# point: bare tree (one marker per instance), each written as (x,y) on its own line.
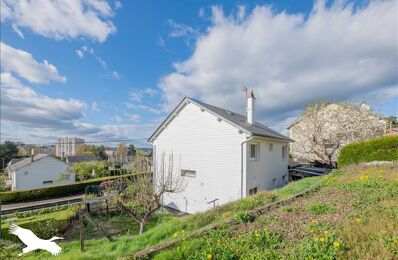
(324,128)
(143,195)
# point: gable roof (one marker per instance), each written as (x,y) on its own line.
(27,161)
(237,120)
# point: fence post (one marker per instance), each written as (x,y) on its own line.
(81,226)
(0,219)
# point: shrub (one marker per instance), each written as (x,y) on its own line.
(56,190)
(243,217)
(378,149)
(320,208)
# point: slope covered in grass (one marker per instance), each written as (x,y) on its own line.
(353,215)
(166,228)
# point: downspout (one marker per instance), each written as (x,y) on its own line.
(241,165)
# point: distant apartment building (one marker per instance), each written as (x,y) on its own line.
(67,146)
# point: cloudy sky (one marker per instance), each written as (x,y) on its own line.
(110,70)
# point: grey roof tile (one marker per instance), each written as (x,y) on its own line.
(240,120)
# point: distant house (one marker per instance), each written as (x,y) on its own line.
(223,156)
(38,171)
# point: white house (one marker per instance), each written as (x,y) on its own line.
(223,156)
(39,171)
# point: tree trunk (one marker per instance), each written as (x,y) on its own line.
(142,225)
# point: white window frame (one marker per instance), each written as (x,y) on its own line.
(188,173)
(284,152)
(256,151)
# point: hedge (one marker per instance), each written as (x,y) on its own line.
(379,149)
(56,190)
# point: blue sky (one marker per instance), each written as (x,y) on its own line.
(107,70)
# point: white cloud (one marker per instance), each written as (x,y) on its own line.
(135,95)
(336,53)
(117,118)
(181,30)
(151,92)
(80,54)
(23,64)
(142,107)
(21,104)
(18,31)
(62,19)
(201,12)
(116,75)
(94,107)
(118,5)
(133,117)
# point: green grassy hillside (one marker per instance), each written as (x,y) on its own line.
(167,228)
(354,215)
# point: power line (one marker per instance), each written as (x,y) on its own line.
(96,142)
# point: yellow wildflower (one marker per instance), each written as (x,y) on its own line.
(312,231)
(175,234)
(336,244)
(257,234)
(325,232)
(358,220)
(314,221)
(322,239)
(209,256)
(316,238)
(364,177)
(265,229)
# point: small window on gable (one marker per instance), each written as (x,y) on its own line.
(284,152)
(252,191)
(271,147)
(188,173)
(254,151)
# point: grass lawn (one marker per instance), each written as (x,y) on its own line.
(353,215)
(164,228)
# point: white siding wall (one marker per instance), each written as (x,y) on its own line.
(211,148)
(45,169)
(269,166)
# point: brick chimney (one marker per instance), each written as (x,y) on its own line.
(250,111)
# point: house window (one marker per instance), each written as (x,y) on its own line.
(284,177)
(254,151)
(284,152)
(47,182)
(188,173)
(25,173)
(273,181)
(271,147)
(252,191)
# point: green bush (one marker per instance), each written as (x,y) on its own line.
(379,149)
(243,217)
(90,170)
(320,208)
(56,190)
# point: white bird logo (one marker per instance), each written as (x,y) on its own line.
(32,242)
